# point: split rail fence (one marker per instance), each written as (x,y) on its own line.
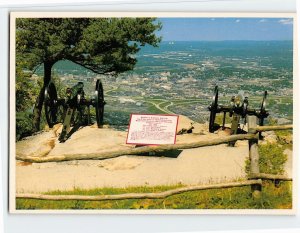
(254,180)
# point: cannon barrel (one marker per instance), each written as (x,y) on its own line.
(238,108)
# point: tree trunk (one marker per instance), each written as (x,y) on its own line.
(38,106)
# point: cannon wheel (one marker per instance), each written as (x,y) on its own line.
(263,109)
(213,110)
(99,103)
(50,104)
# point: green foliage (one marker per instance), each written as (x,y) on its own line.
(109,191)
(285,138)
(60,87)
(271,158)
(230,198)
(113,43)
(26,89)
(247,166)
(271,155)
(219,119)
(23,125)
(272,121)
(283,133)
(101,45)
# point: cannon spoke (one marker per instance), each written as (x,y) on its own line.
(213,110)
(99,103)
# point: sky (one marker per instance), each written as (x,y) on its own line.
(218,29)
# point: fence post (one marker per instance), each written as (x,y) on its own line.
(254,156)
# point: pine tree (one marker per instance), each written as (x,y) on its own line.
(102,45)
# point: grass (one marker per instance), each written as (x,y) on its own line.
(271,155)
(219,119)
(230,198)
(285,138)
(272,159)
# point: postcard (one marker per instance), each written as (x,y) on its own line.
(152,113)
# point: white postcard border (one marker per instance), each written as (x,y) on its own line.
(39,14)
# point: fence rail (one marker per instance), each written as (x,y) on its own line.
(265,176)
(139,195)
(136,151)
(272,127)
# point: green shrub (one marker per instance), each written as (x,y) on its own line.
(272,158)
(23,125)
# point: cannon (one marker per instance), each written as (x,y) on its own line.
(74,110)
(238,108)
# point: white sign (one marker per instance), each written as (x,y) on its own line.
(152,129)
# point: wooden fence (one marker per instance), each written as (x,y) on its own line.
(254,180)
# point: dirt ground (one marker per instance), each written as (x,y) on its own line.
(195,166)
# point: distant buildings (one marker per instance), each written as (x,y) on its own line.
(190,79)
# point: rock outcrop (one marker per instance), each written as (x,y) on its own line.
(91,139)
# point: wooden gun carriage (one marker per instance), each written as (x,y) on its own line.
(238,108)
(74,110)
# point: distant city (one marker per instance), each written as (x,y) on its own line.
(179,78)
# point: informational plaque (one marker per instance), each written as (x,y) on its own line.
(152,129)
